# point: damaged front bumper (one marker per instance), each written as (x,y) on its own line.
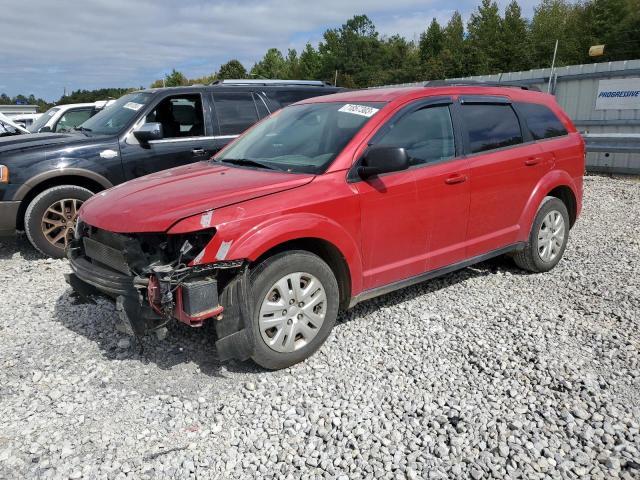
(150,289)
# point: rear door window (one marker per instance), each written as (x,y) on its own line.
(235,111)
(490,126)
(541,121)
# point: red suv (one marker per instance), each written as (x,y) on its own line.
(331,201)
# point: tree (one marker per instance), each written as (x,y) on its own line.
(353,50)
(431,42)
(401,61)
(309,63)
(485,42)
(515,42)
(175,79)
(233,69)
(614,23)
(557,20)
(454,48)
(271,66)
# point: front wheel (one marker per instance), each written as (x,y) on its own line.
(50,218)
(548,237)
(295,305)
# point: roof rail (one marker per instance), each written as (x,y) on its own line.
(266,82)
(475,83)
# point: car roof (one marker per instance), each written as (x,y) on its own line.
(259,86)
(390,94)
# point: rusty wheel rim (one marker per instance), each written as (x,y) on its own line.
(59,221)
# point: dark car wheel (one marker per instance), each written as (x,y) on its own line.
(548,237)
(50,218)
(295,304)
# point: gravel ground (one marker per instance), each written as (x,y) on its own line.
(485,373)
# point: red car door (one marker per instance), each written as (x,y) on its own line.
(391,238)
(504,170)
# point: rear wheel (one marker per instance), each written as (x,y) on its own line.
(50,218)
(295,303)
(548,237)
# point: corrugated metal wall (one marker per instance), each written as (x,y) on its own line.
(575,88)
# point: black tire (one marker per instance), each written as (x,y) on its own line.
(33,217)
(529,258)
(263,277)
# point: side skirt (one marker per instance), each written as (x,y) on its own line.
(407,282)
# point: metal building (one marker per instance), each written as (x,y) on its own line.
(597,105)
(11,110)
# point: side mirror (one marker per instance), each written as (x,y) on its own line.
(44,129)
(149,131)
(383,159)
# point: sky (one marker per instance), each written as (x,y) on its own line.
(47,46)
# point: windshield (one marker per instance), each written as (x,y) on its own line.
(117,115)
(42,120)
(7,129)
(301,138)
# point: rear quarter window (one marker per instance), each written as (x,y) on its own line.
(541,121)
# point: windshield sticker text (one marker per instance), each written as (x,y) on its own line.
(363,110)
(133,106)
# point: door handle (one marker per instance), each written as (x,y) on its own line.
(529,162)
(457,178)
(198,151)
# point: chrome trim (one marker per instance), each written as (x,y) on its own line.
(191,139)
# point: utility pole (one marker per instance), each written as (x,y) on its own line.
(553,64)
(335,79)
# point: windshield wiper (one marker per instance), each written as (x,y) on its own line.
(80,128)
(247,162)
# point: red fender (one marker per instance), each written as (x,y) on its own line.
(233,240)
(553,179)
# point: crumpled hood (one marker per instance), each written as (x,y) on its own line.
(155,202)
(38,140)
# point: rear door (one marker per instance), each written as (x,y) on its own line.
(505,165)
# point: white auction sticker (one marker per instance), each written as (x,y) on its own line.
(133,106)
(363,110)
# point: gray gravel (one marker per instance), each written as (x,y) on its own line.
(486,373)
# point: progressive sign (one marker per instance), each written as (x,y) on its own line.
(618,94)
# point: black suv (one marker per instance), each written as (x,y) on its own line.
(44,178)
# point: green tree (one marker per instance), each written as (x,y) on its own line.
(431,41)
(515,53)
(353,50)
(614,23)
(485,42)
(272,65)
(454,48)
(233,69)
(557,20)
(309,63)
(401,61)
(175,79)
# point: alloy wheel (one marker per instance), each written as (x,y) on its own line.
(59,221)
(292,312)
(551,236)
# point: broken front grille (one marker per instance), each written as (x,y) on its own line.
(105,255)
